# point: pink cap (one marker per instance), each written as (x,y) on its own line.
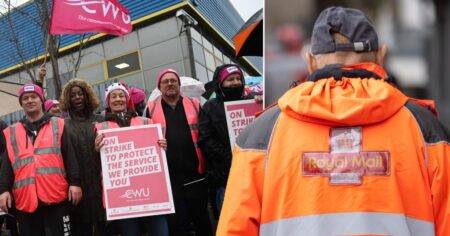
(137,95)
(31,88)
(163,72)
(227,71)
(50,103)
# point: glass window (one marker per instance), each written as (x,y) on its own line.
(210,75)
(207,45)
(217,53)
(201,73)
(210,63)
(226,60)
(93,74)
(198,52)
(196,35)
(123,65)
(218,62)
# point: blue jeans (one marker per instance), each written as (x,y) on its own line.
(156,225)
(220,192)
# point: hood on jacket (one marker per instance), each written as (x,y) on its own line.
(215,84)
(344,96)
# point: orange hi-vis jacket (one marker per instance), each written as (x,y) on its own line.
(346,154)
(191,109)
(39,173)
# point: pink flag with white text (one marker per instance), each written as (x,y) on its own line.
(89,16)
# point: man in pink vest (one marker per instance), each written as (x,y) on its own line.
(39,168)
(178,116)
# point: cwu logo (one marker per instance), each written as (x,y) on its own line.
(136,193)
(107,7)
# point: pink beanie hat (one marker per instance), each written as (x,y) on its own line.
(137,95)
(31,88)
(50,103)
(163,72)
(227,71)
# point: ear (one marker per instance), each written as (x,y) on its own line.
(311,61)
(381,54)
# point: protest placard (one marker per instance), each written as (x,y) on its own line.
(135,174)
(239,114)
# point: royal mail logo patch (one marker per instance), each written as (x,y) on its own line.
(346,163)
(345,140)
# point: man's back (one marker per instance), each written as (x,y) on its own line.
(343,156)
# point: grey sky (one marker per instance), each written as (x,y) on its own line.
(247,8)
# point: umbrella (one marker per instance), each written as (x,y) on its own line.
(189,87)
(249,39)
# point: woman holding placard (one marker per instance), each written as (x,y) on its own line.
(120,113)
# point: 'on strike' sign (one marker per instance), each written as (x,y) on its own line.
(239,114)
(135,175)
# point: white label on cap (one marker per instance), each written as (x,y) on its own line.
(28,88)
(232,69)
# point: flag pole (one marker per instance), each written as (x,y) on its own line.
(48,32)
(46,48)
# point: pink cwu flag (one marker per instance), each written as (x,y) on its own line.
(89,16)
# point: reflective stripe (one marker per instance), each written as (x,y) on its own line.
(20,162)
(357,223)
(54,122)
(151,111)
(105,125)
(196,145)
(194,105)
(24,182)
(49,150)
(50,170)
(14,140)
(193,126)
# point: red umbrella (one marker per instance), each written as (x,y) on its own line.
(248,41)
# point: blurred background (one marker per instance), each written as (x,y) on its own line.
(417,33)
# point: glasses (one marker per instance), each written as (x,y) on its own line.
(171,81)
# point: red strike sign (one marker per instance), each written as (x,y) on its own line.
(135,175)
(239,115)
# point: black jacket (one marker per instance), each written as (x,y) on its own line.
(214,140)
(90,208)
(3,126)
(67,150)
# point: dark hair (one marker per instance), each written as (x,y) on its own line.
(92,102)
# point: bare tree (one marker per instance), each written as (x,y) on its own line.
(73,61)
(51,43)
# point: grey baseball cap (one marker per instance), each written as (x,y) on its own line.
(349,22)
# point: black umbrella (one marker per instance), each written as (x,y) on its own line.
(248,41)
